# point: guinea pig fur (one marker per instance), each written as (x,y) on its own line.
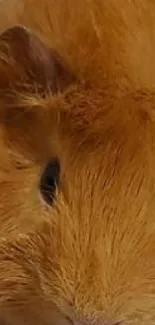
(77,84)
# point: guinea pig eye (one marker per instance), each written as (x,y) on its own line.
(50,181)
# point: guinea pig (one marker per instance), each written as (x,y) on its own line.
(77,162)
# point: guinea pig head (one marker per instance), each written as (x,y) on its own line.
(77,194)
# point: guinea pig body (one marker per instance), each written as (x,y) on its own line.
(77,95)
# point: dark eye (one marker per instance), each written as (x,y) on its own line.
(50,181)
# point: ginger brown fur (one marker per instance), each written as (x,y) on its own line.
(78,85)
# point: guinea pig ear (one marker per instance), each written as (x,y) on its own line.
(35,63)
(28,70)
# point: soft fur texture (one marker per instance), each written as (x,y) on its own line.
(86,95)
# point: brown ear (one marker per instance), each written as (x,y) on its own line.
(28,70)
(31,61)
